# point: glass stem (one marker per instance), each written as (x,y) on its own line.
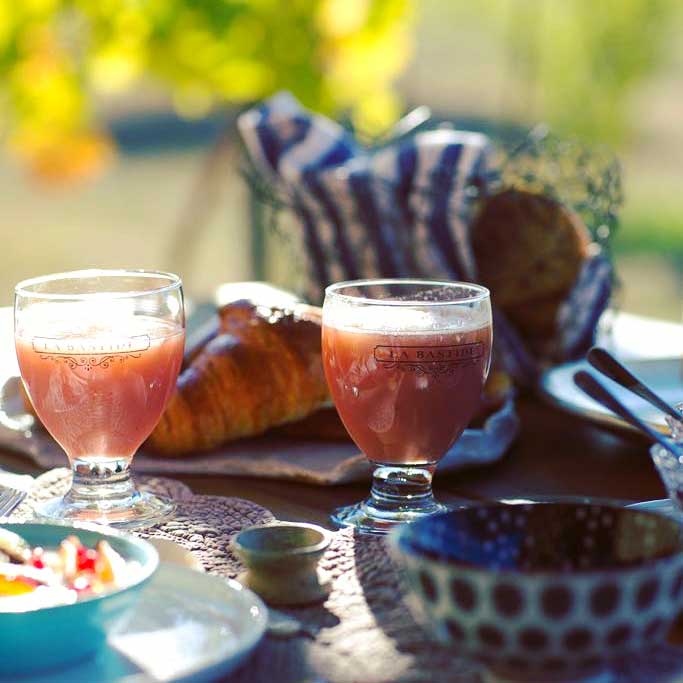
(402,488)
(104,483)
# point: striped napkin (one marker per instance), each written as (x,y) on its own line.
(402,209)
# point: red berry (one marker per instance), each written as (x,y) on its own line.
(36,558)
(85,560)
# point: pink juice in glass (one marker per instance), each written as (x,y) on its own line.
(405,397)
(100,393)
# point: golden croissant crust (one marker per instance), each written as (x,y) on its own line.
(262,368)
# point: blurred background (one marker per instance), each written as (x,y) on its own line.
(118,143)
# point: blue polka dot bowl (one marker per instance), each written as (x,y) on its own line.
(547,591)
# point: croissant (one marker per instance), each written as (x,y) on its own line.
(261,368)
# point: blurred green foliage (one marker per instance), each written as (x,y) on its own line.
(576,62)
(337,56)
(581,59)
(652,224)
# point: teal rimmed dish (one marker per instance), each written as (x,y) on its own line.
(52,637)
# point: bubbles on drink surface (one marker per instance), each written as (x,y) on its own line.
(92,321)
(406,320)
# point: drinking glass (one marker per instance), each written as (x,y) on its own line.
(99,353)
(406,362)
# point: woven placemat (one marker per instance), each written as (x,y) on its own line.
(363,631)
(203,525)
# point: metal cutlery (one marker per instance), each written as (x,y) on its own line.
(10,499)
(608,365)
(597,391)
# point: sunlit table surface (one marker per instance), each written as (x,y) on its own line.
(594,462)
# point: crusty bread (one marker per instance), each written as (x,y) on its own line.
(255,369)
(262,369)
(536,318)
(529,250)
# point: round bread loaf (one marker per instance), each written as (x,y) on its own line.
(529,250)
(536,318)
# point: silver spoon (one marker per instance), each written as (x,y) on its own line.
(590,386)
(608,365)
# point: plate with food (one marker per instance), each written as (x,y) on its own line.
(84,603)
(252,400)
(62,588)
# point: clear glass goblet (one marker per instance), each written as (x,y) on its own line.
(406,362)
(99,353)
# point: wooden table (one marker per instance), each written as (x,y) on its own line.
(556,454)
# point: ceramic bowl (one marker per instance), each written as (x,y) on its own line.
(282,562)
(555,590)
(51,637)
(671,473)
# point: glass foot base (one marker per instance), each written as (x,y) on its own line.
(367,520)
(140,510)
(400,494)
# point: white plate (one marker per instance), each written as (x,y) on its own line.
(664,376)
(188,627)
(173,553)
(663,506)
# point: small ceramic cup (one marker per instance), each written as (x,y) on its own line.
(671,472)
(282,562)
(668,465)
(676,426)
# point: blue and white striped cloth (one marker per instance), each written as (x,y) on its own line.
(401,210)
